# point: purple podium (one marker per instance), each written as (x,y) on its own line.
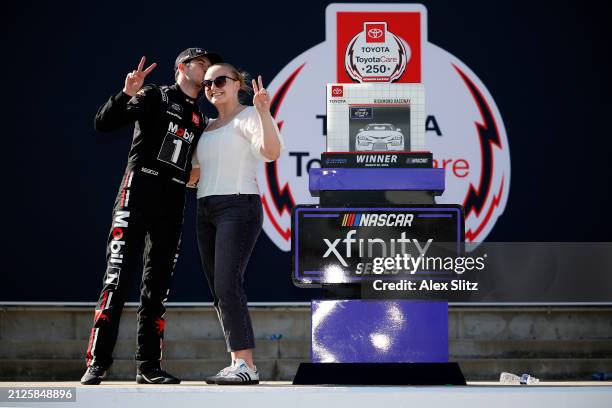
(407,179)
(368,342)
(357,186)
(367,331)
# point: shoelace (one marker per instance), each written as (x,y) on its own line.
(225,371)
(95,370)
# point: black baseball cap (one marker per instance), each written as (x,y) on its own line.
(191,53)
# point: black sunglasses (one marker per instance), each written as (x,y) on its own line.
(219,81)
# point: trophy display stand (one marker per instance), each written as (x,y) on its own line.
(376,188)
(377,342)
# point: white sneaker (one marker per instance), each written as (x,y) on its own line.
(238,373)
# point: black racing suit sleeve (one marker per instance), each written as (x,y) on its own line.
(121,109)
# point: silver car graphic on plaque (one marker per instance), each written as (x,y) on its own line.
(379,137)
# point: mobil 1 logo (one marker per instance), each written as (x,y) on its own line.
(176,147)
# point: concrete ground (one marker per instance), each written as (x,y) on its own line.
(131,384)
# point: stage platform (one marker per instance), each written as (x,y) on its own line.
(284,395)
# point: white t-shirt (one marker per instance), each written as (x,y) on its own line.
(228,156)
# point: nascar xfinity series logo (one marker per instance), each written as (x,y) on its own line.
(463,128)
(377,220)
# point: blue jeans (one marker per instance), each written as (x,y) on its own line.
(227,228)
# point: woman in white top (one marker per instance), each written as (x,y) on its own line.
(230,214)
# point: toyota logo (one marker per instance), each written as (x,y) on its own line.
(375,33)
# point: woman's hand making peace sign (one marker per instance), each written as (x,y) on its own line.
(135,79)
(261,98)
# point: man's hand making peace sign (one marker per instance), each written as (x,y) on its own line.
(135,79)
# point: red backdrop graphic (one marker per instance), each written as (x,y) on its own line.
(405,25)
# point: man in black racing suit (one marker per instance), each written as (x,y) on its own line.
(148,210)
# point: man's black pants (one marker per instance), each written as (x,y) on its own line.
(148,214)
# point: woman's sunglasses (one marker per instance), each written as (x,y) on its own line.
(219,81)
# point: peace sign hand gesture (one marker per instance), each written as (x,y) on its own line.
(261,98)
(135,79)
